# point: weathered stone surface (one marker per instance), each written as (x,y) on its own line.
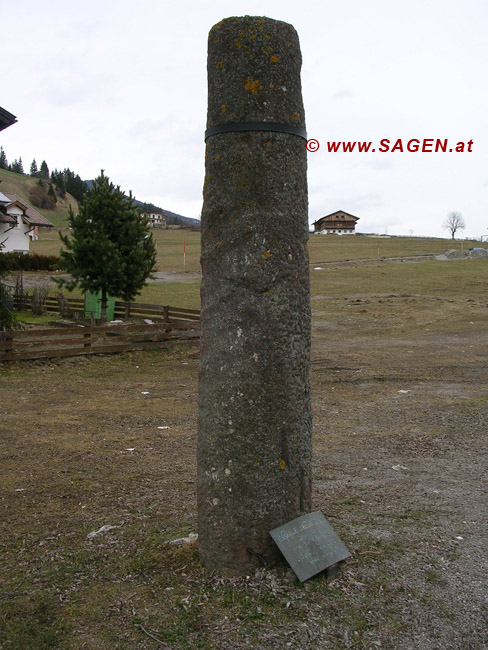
(255,429)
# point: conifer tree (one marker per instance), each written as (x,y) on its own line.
(33,168)
(3,159)
(58,179)
(52,193)
(111,248)
(74,185)
(44,171)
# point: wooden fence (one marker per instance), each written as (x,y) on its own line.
(122,309)
(167,323)
(78,340)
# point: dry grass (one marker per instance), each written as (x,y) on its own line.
(323,249)
(400,407)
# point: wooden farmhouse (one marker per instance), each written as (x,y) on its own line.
(19,223)
(156,218)
(337,223)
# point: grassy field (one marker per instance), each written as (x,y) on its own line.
(350,262)
(400,406)
(183,288)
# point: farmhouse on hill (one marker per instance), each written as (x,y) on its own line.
(337,223)
(19,223)
(156,218)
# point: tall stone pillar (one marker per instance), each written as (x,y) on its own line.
(255,425)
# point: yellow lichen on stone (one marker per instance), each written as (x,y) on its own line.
(266,255)
(271,85)
(295,116)
(222,108)
(220,244)
(274,58)
(268,143)
(253,85)
(282,464)
(219,64)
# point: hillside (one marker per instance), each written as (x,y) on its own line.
(22,185)
(174,218)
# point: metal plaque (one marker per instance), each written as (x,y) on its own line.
(309,545)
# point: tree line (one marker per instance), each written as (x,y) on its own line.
(51,184)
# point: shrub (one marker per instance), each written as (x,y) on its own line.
(65,310)
(7,318)
(29,262)
(20,296)
(41,199)
(39,295)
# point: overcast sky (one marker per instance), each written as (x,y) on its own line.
(121,85)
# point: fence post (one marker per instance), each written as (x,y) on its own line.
(87,340)
(8,338)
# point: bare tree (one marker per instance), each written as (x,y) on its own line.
(453,222)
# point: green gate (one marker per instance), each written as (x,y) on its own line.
(93,305)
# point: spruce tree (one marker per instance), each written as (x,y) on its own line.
(33,168)
(52,193)
(74,185)
(3,159)
(44,171)
(58,179)
(111,248)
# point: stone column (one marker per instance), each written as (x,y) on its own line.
(255,425)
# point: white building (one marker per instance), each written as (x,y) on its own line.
(156,219)
(19,223)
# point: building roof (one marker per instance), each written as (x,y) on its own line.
(6,119)
(339,215)
(6,218)
(31,215)
(162,212)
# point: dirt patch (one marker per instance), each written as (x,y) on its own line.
(400,427)
(173,276)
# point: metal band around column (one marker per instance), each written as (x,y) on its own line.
(231,127)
